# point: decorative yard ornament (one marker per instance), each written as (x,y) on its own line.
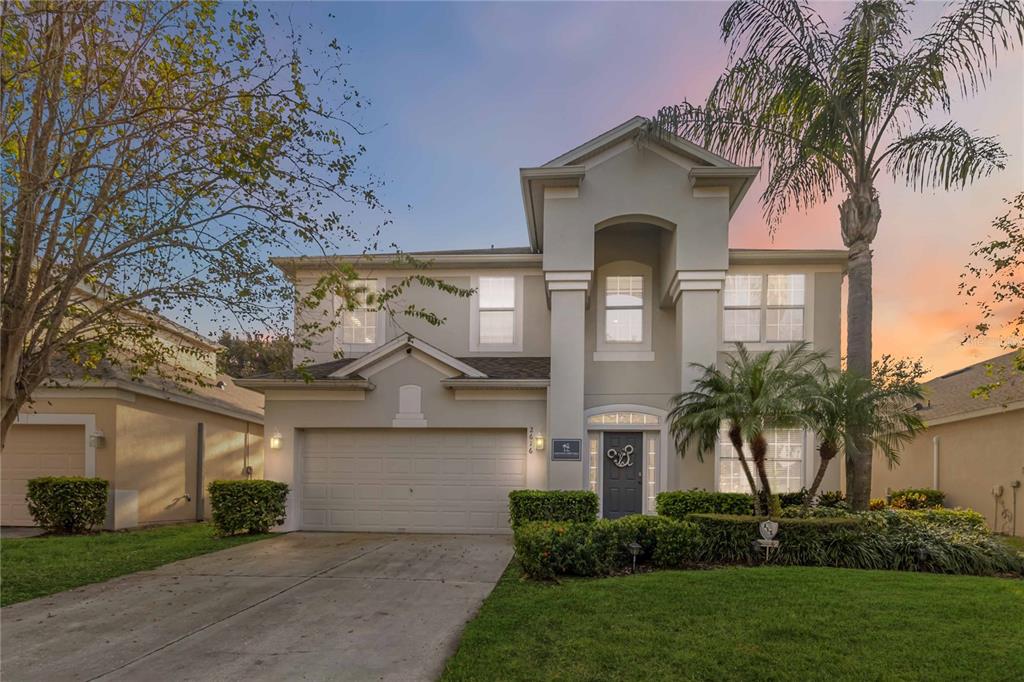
(768,529)
(623,458)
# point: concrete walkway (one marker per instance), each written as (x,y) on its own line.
(303,606)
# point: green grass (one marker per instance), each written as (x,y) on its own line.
(1014,541)
(35,567)
(746,624)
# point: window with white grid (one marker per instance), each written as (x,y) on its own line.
(784,463)
(741,320)
(761,307)
(785,315)
(497,321)
(359,318)
(624,309)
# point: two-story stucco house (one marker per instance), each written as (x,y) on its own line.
(558,372)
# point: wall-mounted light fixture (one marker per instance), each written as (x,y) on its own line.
(275,440)
(97,439)
(538,440)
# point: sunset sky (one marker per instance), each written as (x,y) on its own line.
(463,95)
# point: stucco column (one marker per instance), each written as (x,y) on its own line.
(697,296)
(568,292)
(279,464)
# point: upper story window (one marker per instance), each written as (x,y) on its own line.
(624,309)
(359,318)
(497,315)
(764,308)
(497,310)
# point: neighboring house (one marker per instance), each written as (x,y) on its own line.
(157,443)
(558,372)
(973,449)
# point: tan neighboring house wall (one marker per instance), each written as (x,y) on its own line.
(141,435)
(973,448)
(969,459)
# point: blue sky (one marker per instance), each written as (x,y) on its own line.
(464,94)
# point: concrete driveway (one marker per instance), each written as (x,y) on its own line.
(305,606)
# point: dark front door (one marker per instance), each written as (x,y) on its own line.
(623,463)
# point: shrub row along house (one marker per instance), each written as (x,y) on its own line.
(558,371)
(157,442)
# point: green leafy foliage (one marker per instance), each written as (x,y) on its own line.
(752,393)
(730,539)
(679,504)
(253,354)
(994,279)
(551,505)
(247,506)
(548,549)
(917,498)
(68,504)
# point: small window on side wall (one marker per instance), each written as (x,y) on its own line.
(496,321)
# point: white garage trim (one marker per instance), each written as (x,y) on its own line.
(86,420)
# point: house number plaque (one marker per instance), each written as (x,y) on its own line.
(566,449)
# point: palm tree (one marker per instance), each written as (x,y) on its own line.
(840,406)
(754,393)
(826,112)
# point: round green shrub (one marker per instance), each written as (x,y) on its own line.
(247,506)
(67,504)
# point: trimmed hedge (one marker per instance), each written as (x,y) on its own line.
(917,498)
(67,504)
(548,549)
(932,540)
(525,506)
(679,504)
(247,506)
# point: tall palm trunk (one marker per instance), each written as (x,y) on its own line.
(736,438)
(826,452)
(859,215)
(759,451)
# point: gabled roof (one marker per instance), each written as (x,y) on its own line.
(950,395)
(628,131)
(400,344)
(569,169)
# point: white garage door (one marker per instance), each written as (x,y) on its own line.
(411,480)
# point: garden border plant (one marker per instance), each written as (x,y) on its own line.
(251,506)
(67,504)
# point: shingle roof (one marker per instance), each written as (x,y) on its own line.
(221,392)
(493,367)
(950,394)
(511,368)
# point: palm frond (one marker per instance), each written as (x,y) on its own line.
(961,44)
(944,157)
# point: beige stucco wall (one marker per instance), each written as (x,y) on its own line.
(148,451)
(156,456)
(290,412)
(975,455)
(630,181)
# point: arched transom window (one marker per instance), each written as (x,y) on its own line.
(623,419)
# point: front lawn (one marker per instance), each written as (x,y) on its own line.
(779,623)
(35,567)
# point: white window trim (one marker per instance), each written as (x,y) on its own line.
(763,344)
(356,349)
(806,469)
(474,318)
(611,351)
